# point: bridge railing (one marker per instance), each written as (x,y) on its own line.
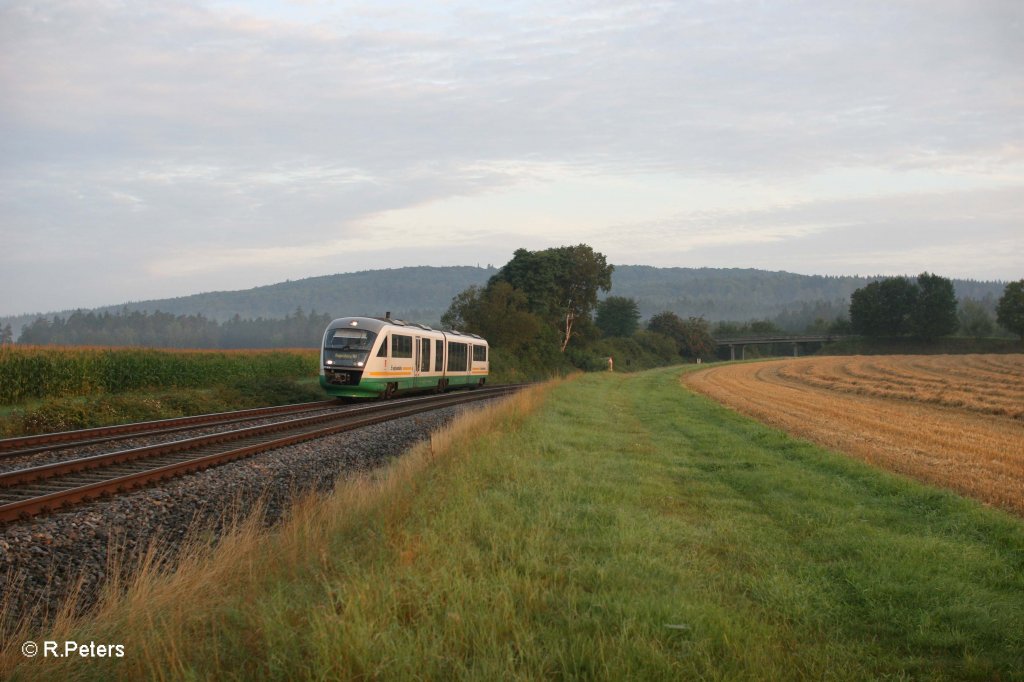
(796,339)
(792,338)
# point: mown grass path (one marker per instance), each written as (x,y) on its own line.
(624,528)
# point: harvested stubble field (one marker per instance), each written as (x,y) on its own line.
(954,421)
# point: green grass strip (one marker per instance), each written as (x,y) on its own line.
(628,529)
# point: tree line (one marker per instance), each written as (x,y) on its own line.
(541,310)
(541,313)
(164,330)
(927,309)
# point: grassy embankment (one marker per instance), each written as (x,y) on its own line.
(613,527)
(55,388)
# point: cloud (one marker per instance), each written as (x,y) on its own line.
(277,127)
(970,234)
(714,87)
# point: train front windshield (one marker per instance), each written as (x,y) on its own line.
(347,347)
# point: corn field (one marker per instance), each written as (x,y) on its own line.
(31,372)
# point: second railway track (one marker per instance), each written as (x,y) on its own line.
(45,442)
(33,490)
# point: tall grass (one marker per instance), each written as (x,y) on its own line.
(248,562)
(30,372)
(608,527)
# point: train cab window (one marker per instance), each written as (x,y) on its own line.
(479,353)
(438,356)
(350,339)
(347,347)
(401,346)
(383,352)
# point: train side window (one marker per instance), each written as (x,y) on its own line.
(438,355)
(458,356)
(479,353)
(383,352)
(425,355)
(401,346)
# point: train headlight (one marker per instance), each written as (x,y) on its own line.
(359,364)
(330,362)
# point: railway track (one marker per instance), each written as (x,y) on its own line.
(47,487)
(28,445)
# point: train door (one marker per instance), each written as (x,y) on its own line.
(416,350)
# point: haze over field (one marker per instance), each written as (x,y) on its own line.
(155,149)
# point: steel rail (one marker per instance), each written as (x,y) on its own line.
(306,428)
(28,445)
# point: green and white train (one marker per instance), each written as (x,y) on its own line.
(369,357)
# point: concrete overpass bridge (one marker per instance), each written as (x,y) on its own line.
(797,340)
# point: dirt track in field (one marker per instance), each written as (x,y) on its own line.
(954,421)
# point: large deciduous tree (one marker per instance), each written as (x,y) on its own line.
(666,323)
(898,307)
(975,319)
(693,336)
(498,312)
(1010,308)
(618,316)
(934,311)
(561,284)
(883,308)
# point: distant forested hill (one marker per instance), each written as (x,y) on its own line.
(424,293)
(416,293)
(744,294)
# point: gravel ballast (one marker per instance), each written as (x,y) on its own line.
(44,559)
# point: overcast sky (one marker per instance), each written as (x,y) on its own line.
(159,148)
